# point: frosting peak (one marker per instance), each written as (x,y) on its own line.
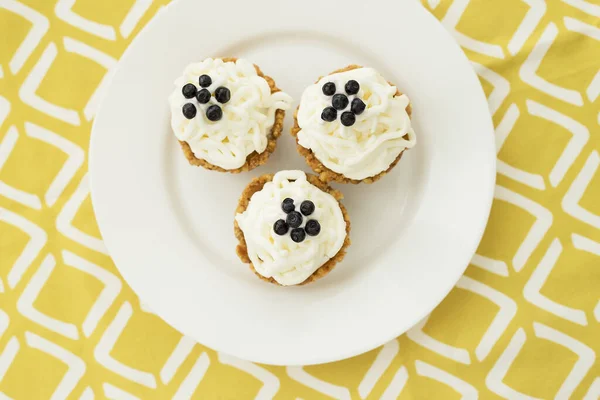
(233,115)
(369,133)
(279,255)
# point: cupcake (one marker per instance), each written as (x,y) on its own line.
(226,114)
(291,228)
(353,126)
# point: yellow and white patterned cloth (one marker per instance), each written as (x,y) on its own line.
(523,323)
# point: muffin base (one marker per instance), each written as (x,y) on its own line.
(254,159)
(325,174)
(242,249)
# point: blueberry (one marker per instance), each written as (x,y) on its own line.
(339,101)
(329,89)
(203,96)
(298,235)
(348,118)
(307,207)
(294,219)
(189,90)
(280,227)
(222,94)
(329,114)
(358,106)
(189,110)
(352,87)
(313,227)
(214,113)
(287,205)
(205,81)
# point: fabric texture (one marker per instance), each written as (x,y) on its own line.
(523,322)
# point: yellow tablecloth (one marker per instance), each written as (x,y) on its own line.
(523,322)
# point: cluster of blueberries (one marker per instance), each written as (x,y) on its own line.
(340,101)
(213,112)
(294,220)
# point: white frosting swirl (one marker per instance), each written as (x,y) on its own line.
(247,117)
(279,257)
(375,140)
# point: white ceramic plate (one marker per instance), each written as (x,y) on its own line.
(169,226)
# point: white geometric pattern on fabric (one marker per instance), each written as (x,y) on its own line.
(382,362)
(40,25)
(586,358)
(270,382)
(532,289)
(64,220)
(467,391)
(106,344)
(450,21)
(82,49)
(538,229)
(47,228)
(29,295)
(64,11)
(529,69)
(6,358)
(37,241)
(75,364)
(301,376)
(191,382)
(571,200)
(507,311)
(396,385)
